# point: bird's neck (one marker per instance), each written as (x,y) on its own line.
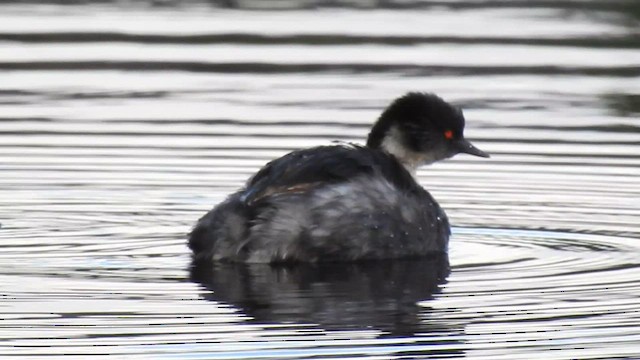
(393,144)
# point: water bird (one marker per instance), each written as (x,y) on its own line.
(343,202)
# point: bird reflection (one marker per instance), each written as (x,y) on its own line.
(382,295)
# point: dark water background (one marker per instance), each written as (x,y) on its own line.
(122,122)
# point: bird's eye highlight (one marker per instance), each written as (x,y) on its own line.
(448,134)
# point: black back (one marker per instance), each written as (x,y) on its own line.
(327,165)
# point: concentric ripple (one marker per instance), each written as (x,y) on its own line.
(575,293)
(510,294)
(121,124)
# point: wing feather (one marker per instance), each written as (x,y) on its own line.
(304,169)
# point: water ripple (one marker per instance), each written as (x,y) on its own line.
(121,124)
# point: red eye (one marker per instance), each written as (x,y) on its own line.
(448,134)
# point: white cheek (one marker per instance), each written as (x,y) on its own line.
(392,143)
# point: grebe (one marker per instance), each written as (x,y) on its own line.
(343,202)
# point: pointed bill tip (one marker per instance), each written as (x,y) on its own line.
(464,146)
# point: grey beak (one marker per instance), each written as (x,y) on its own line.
(464,146)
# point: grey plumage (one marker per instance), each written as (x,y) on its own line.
(343,202)
(364,218)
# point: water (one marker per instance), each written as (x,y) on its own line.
(121,123)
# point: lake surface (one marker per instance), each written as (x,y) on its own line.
(121,123)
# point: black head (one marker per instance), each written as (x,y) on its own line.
(421,128)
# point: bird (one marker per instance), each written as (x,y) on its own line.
(343,202)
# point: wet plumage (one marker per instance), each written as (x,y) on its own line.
(343,202)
